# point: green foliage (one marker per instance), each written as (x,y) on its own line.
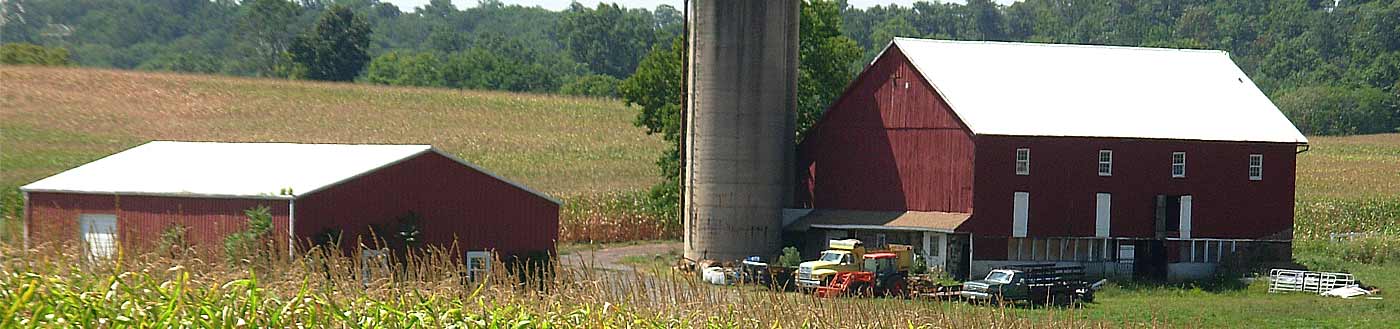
(824,57)
(172,241)
(30,54)
(406,69)
(1318,218)
(593,85)
(1375,249)
(790,257)
(265,29)
(1327,110)
(610,39)
(336,49)
(178,62)
(248,243)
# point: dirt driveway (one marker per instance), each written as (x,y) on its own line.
(611,258)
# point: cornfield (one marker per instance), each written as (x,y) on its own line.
(59,288)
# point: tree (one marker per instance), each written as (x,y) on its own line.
(336,49)
(609,40)
(265,34)
(593,85)
(825,57)
(655,88)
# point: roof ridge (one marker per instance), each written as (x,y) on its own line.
(1060,45)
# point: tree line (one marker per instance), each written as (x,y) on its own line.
(1333,67)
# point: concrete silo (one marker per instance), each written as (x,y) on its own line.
(742,103)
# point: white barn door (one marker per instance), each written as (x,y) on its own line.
(1020,214)
(99,233)
(1185,223)
(1101,215)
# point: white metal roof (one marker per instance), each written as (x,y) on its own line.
(1029,89)
(260,170)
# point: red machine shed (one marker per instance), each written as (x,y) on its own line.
(313,191)
(1156,162)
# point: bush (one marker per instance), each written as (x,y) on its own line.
(242,245)
(406,69)
(790,257)
(593,85)
(30,54)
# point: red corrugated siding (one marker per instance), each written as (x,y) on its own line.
(885,146)
(1064,179)
(453,201)
(53,218)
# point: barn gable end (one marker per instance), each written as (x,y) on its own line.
(889,143)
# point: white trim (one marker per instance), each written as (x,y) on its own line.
(1182,164)
(1184,224)
(172,195)
(1020,213)
(1256,171)
(1026,161)
(1103,212)
(24,226)
(1108,163)
(291,228)
(878,228)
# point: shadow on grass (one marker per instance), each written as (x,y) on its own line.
(1219,284)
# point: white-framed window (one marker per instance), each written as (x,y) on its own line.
(478,264)
(1256,166)
(1178,164)
(1105,163)
(1023,161)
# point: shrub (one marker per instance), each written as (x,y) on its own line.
(790,257)
(242,245)
(30,54)
(593,85)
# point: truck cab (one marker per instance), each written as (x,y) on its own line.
(840,256)
(998,285)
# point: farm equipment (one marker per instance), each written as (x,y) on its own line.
(846,256)
(755,271)
(1034,283)
(883,274)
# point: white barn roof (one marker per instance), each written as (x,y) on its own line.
(260,170)
(1028,89)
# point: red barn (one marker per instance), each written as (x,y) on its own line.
(1151,162)
(314,191)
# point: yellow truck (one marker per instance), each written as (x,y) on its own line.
(848,255)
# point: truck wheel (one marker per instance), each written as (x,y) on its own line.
(1087,297)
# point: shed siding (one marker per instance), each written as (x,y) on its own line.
(53,218)
(454,203)
(1064,179)
(885,146)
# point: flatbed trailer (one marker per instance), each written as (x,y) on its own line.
(1034,283)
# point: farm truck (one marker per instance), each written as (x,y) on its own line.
(850,256)
(1034,283)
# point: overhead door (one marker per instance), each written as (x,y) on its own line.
(99,234)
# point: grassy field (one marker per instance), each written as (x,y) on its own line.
(53,119)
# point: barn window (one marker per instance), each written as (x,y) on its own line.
(1023,161)
(1105,163)
(1256,166)
(1178,164)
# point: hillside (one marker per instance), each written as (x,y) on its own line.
(52,119)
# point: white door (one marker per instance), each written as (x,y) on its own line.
(935,249)
(1185,226)
(1020,213)
(1101,216)
(99,233)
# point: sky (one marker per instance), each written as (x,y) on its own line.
(408,5)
